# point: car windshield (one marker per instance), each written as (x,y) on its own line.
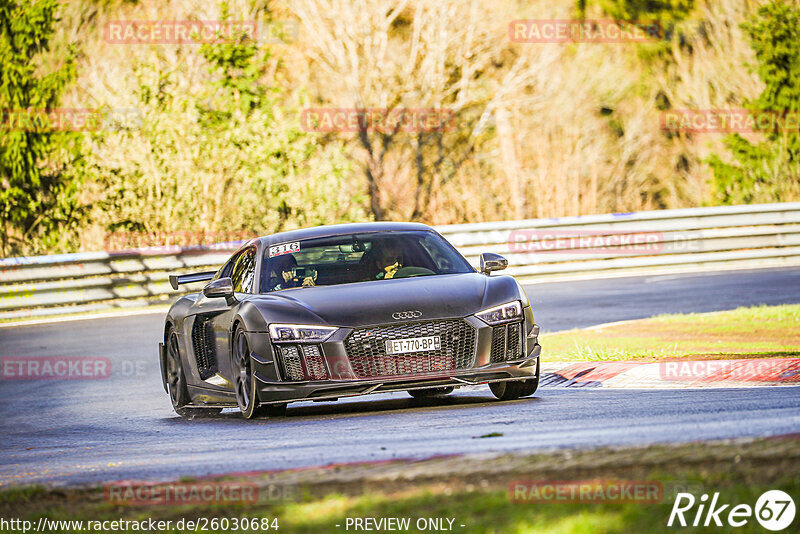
(362,257)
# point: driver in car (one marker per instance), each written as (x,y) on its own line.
(282,274)
(389,260)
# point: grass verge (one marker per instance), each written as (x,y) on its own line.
(755,332)
(473,492)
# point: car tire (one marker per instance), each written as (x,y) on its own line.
(245,379)
(430,392)
(176,382)
(514,390)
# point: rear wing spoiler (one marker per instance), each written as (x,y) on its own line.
(178,279)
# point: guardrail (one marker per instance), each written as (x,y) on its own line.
(593,245)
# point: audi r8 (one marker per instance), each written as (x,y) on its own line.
(337,311)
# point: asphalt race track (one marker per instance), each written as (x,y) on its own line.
(122,427)
(565,305)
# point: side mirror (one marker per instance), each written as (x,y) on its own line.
(492,262)
(222,287)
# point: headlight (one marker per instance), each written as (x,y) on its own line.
(300,332)
(501,314)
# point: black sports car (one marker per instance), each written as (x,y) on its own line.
(345,310)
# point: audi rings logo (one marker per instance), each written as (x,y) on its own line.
(413,314)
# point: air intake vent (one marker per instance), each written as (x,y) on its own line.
(506,342)
(303,362)
(205,352)
(291,363)
(315,363)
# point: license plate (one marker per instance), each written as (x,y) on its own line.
(413,344)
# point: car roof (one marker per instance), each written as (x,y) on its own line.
(340,229)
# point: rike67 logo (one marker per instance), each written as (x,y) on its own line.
(774,510)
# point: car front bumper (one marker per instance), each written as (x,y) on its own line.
(278,391)
(341,381)
(273,389)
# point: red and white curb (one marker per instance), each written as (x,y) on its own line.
(673,373)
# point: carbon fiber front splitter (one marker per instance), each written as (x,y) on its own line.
(273,392)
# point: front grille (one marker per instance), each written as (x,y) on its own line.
(506,342)
(205,351)
(366,349)
(303,362)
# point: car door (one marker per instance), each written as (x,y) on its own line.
(207,332)
(243,276)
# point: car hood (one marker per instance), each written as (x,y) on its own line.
(368,303)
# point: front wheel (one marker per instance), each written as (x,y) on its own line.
(246,391)
(176,382)
(514,390)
